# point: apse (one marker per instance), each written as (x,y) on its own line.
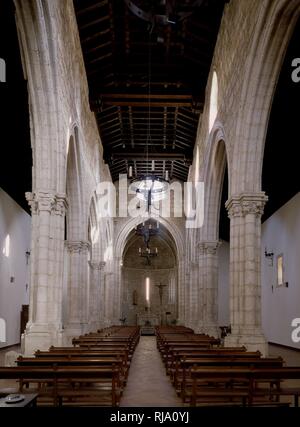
(149,276)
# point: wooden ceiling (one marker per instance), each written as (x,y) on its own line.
(147,82)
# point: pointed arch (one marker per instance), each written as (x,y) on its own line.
(214,171)
(270,42)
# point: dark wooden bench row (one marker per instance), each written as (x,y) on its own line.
(182,371)
(243,386)
(97,386)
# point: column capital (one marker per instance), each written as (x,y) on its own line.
(61,205)
(97,265)
(246,203)
(47,201)
(77,246)
(209,247)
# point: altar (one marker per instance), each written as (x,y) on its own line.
(147,323)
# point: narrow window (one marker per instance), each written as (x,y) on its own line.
(2,71)
(6,246)
(280,270)
(148,290)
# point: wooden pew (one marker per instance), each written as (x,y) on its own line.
(69,385)
(117,362)
(74,352)
(182,372)
(183,360)
(174,354)
(241,385)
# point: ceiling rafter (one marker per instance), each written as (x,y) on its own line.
(115,46)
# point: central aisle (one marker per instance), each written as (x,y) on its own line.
(148,384)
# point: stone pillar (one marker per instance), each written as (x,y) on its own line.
(193,293)
(77,289)
(208,288)
(101,308)
(111,297)
(47,252)
(117,290)
(181,294)
(245,213)
(95,295)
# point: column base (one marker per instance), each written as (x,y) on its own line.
(110,322)
(40,337)
(181,322)
(94,326)
(72,330)
(211,330)
(252,342)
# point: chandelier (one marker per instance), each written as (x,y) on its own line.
(148,253)
(149,187)
(147,230)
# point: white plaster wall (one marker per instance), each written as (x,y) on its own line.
(223,285)
(281,235)
(16,223)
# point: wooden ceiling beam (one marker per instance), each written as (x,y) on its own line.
(94,22)
(91,8)
(146,104)
(168,96)
(94,36)
(151,156)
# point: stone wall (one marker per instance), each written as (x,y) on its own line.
(59,114)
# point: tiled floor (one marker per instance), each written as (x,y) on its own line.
(148,384)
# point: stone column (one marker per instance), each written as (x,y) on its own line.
(181,294)
(94,295)
(77,289)
(193,288)
(101,308)
(45,309)
(117,289)
(108,298)
(245,213)
(208,288)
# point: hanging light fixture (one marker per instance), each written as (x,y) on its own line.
(149,187)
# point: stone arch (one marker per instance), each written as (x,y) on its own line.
(74,189)
(120,243)
(37,41)
(94,236)
(274,30)
(214,170)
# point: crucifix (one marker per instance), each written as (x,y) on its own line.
(160,290)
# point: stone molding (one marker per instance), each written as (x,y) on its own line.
(246,203)
(44,201)
(77,246)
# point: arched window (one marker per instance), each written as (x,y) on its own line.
(213,102)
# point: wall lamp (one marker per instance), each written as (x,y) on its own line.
(269,255)
(27,253)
